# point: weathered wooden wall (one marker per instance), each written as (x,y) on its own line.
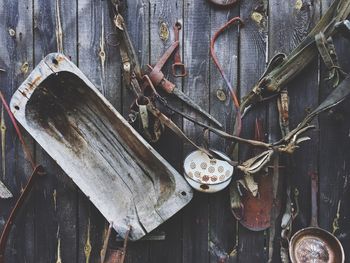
(60,225)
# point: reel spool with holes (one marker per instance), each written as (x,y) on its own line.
(205,174)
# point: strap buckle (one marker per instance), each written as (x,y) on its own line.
(179,69)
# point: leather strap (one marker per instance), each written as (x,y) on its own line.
(283,109)
(126,49)
(286,222)
(274,211)
(300,57)
(321,44)
(232,91)
(328,54)
(337,96)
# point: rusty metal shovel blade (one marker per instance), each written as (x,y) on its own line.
(122,175)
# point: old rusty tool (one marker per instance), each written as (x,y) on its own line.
(158,79)
(178,66)
(314,244)
(157,76)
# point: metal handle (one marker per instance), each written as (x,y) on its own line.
(178,68)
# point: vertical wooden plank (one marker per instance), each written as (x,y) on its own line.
(163,16)
(293,20)
(56,200)
(253,48)
(16,57)
(137,15)
(98,58)
(196,85)
(334,149)
(222,225)
(281,17)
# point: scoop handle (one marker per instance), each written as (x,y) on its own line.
(314,206)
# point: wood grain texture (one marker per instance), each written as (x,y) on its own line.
(55,29)
(16,58)
(137,16)
(334,147)
(196,85)
(286,38)
(222,225)
(205,230)
(304,91)
(98,58)
(304,94)
(252,53)
(163,16)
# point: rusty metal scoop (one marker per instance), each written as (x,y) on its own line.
(314,244)
(122,175)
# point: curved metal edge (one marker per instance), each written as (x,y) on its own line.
(300,232)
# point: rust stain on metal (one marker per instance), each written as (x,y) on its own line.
(25,67)
(59,31)
(32,84)
(163,31)
(3,142)
(87,247)
(24,94)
